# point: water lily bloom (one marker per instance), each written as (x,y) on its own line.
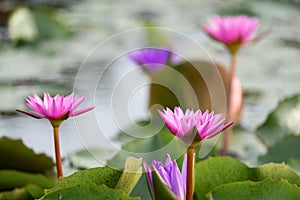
(182,124)
(154,59)
(54,108)
(233,31)
(170,174)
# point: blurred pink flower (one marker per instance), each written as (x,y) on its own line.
(170,174)
(233,31)
(52,108)
(180,123)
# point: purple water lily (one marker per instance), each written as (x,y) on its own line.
(170,174)
(154,59)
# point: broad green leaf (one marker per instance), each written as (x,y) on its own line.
(161,190)
(131,175)
(34,190)
(218,171)
(15,155)
(87,191)
(282,151)
(10,179)
(248,190)
(284,120)
(99,176)
(84,159)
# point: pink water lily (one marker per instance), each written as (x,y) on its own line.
(233,31)
(57,107)
(180,123)
(56,110)
(170,174)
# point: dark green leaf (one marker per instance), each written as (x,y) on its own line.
(15,155)
(284,120)
(282,151)
(248,190)
(87,191)
(141,190)
(10,179)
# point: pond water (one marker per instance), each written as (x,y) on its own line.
(269,70)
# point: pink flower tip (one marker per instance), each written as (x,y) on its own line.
(54,108)
(181,124)
(233,31)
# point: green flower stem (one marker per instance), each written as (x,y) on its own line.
(55,125)
(229,116)
(190,172)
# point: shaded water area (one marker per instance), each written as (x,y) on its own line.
(269,70)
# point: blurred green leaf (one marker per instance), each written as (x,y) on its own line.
(154,35)
(218,171)
(294,164)
(265,190)
(283,150)
(284,120)
(16,194)
(156,146)
(49,24)
(99,176)
(84,159)
(15,155)
(87,191)
(10,179)
(131,175)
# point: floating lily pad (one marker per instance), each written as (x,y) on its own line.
(284,120)
(218,171)
(87,191)
(283,150)
(266,190)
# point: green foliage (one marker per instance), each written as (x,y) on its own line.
(283,150)
(103,183)
(9,179)
(15,155)
(248,190)
(220,171)
(162,191)
(87,191)
(99,176)
(284,120)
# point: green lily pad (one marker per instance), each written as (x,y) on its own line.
(87,191)
(218,171)
(282,151)
(265,190)
(99,176)
(15,155)
(294,164)
(284,120)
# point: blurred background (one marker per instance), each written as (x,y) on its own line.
(44,43)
